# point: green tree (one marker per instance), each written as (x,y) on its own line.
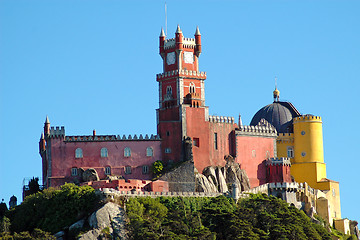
(157,168)
(53,209)
(34,186)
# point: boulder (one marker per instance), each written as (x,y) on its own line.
(90,235)
(209,172)
(222,187)
(90,175)
(109,216)
(202,184)
(60,235)
(76,227)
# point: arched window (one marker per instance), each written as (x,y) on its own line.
(107,170)
(168,90)
(78,153)
(127,152)
(192,87)
(104,152)
(290,152)
(149,152)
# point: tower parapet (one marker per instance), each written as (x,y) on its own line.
(102,138)
(307,117)
(56,132)
(278,161)
(221,119)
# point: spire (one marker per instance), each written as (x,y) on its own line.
(162,34)
(178,30)
(276,92)
(240,121)
(47,119)
(197,31)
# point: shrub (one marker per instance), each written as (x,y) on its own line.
(53,209)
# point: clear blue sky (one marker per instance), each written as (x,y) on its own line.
(92,65)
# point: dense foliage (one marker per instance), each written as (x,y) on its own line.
(157,168)
(257,217)
(53,209)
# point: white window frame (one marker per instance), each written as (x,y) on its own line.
(127,169)
(107,170)
(149,152)
(145,169)
(104,152)
(290,152)
(127,152)
(192,88)
(78,153)
(74,171)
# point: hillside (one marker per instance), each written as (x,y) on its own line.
(256,217)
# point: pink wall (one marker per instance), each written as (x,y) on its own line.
(253,163)
(63,158)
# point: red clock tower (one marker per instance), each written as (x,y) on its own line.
(181,93)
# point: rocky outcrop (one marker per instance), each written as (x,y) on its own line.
(181,178)
(110,219)
(90,175)
(220,179)
(203,184)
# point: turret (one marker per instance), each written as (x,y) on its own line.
(308,139)
(42,143)
(47,127)
(162,41)
(178,38)
(197,42)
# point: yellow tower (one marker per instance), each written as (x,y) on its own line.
(300,138)
(308,162)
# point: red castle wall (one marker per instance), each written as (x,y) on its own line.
(254,162)
(63,158)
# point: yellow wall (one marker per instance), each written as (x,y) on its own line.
(284,140)
(308,139)
(310,167)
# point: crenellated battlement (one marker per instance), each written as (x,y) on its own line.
(278,161)
(267,131)
(181,73)
(112,138)
(292,186)
(307,118)
(285,138)
(57,132)
(221,119)
(187,43)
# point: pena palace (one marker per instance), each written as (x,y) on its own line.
(280,145)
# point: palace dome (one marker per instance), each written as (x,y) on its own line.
(279,114)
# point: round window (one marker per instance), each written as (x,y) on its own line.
(302,132)
(303,154)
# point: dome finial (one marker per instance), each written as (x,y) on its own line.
(276,92)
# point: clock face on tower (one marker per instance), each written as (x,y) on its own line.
(188,57)
(170,58)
